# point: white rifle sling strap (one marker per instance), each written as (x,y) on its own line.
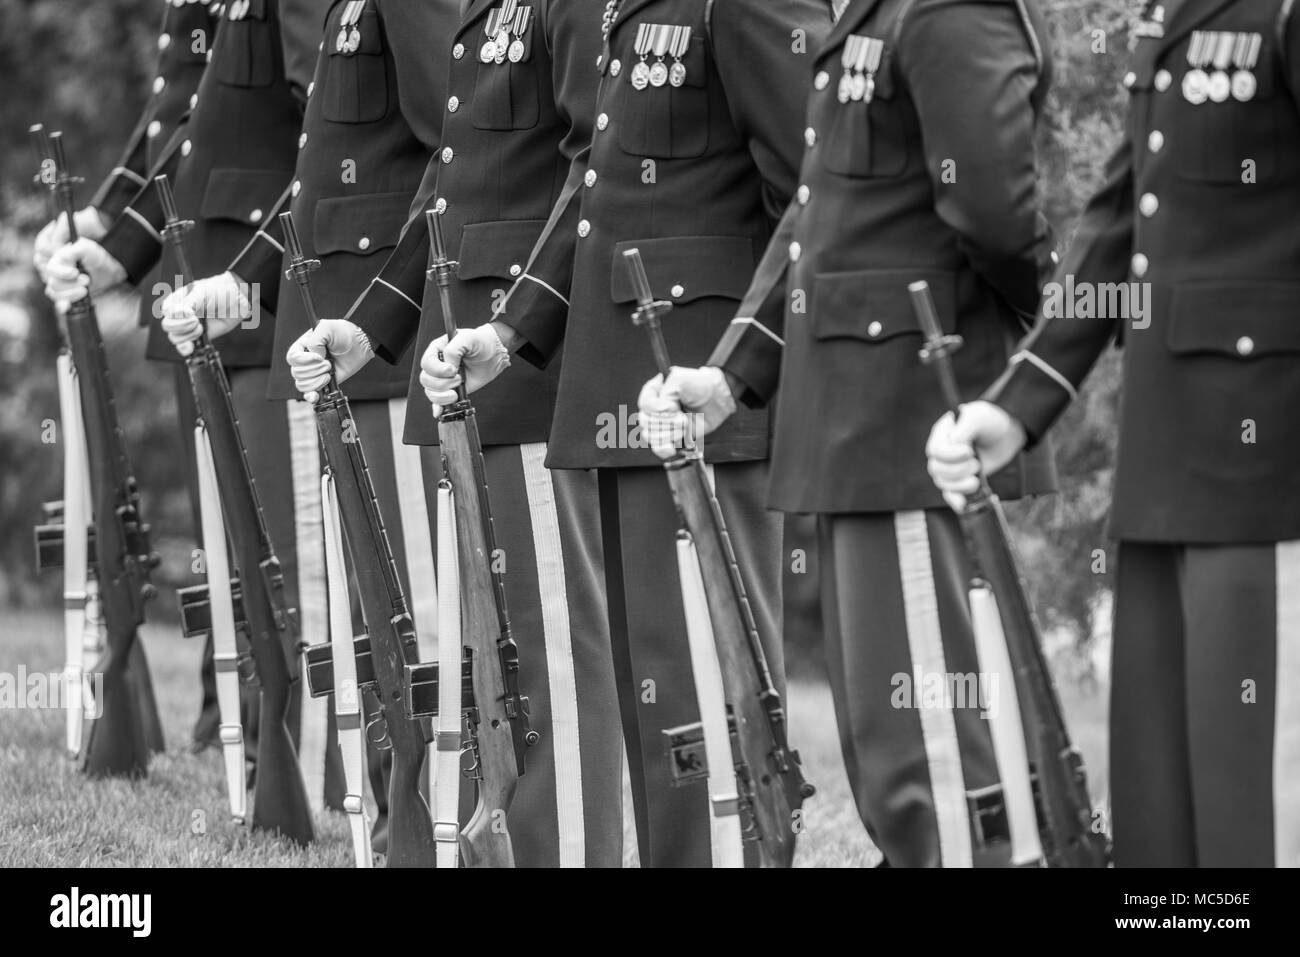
(724,797)
(76,519)
(1005,726)
(446,772)
(222,609)
(347,698)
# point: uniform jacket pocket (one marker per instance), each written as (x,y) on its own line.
(354,88)
(497,250)
(874,306)
(362,225)
(242,195)
(245,53)
(505,94)
(669,122)
(864,138)
(1210,319)
(682,269)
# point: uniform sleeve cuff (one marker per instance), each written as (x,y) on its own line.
(1033,392)
(751,353)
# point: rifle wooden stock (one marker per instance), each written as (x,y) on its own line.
(498,723)
(768,775)
(118,741)
(383,601)
(280,801)
(1067,836)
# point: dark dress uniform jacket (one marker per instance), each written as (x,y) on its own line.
(1203,204)
(188,29)
(694,176)
(510,133)
(931,178)
(233,156)
(373,120)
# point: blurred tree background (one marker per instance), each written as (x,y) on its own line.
(84,67)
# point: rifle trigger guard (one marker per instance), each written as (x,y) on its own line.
(381,739)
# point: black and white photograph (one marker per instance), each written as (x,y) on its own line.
(661,434)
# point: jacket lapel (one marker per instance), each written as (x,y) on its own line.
(1187,15)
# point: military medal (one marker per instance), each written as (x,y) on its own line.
(681,42)
(1196,82)
(659,71)
(522,19)
(641,72)
(1220,87)
(508,9)
(852,44)
(488,51)
(875,51)
(1244,83)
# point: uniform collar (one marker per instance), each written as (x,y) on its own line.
(852,18)
(1184,16)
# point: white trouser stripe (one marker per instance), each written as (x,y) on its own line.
(1286,715)
(417,540)
(938,729)
(559,654)
(313,607)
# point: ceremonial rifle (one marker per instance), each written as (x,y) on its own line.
(119,740)
(499,728)
(771,786)
(232,508)
(383,602)
(1001,608)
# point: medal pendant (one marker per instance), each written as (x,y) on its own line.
(341,41)
(858,88)
(354,40)
(1220,87)
(488,52)
(845,89)
(640,76)
(1244,86)
(502,47)
(516,52)
(658,74)
(677,74)
(1194,87)
(871,88)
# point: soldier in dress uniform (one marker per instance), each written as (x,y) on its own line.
(188,27)
(692,159)
(919,165)
(230,160)
(519,108)
(1197,221)
(373,119)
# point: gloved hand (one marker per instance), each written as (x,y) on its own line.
(90,225)
(982,429)
(218,299)
(473,356)
(337,343)
(676,413)
(66,281)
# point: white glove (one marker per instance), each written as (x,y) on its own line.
(218,299)
(479,352)
(79,266)
(664,406)
(55,234)
(951,450)
(334,343)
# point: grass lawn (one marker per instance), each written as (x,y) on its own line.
(51,815)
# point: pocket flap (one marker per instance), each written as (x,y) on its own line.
(1242,319)
(499,249)
(242,195)
(361,224)
(875,305)
(686,268)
